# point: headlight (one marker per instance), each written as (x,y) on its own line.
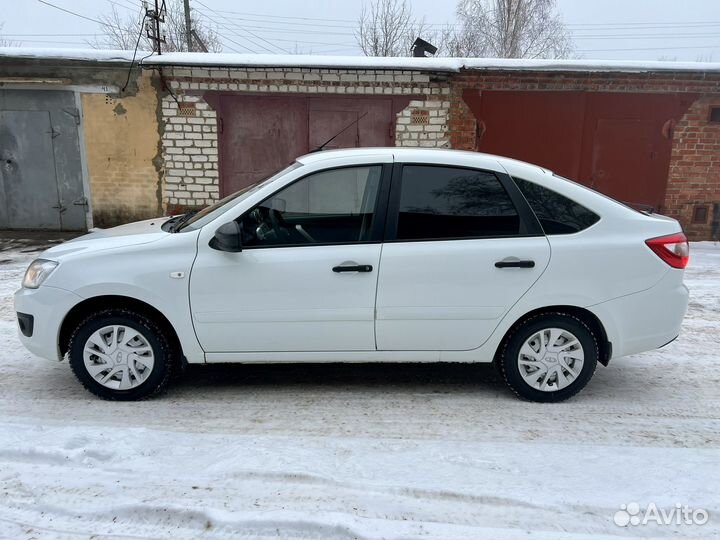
(37,272)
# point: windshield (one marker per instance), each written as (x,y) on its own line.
(209,213)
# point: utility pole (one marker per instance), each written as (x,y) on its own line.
(188,26)
(155,17)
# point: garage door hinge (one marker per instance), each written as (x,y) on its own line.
(74,112)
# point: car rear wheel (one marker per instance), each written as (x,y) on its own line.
(549,357)
(119,354)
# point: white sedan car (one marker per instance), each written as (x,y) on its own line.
(367,255)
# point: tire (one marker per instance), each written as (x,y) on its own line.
(141,366)
(540,360)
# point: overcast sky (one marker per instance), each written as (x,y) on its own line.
(607,29)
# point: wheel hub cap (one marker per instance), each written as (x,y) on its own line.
(118,357)
(551,359)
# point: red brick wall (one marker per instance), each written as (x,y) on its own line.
(694,177)
(694,174)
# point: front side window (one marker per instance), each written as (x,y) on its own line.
(557,214)
(450,203)
(209,213)
(328,207)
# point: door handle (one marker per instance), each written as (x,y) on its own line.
(353,268)
(515,264)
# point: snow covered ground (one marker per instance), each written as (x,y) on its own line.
(341,452)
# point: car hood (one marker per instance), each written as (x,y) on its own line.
(139,232)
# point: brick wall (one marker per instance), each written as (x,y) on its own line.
(190,143)
(122,145)
(694,174)
(694,177)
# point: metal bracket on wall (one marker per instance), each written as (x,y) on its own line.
(74,112)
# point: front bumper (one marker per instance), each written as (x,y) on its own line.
(47,306)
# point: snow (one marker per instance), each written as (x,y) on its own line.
(355,62)
(421,64)
(362,451)
(47,53)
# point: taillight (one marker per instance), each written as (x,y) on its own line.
(673,249)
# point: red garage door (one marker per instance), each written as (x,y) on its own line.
(617,143)
(261,134)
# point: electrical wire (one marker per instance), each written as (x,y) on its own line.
(76,14)
(249,32)
(137,44)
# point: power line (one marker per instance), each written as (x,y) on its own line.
(53,41)
(649,36)
(51,35)
(717,45)
(234,31)
(645,23)
(283,16)
(76,14)
(251,33)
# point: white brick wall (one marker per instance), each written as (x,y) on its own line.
(190,144)
(432,134)
(190,152)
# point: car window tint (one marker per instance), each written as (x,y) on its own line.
(445,203)
(557,213)
(334,206)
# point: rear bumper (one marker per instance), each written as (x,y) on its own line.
(646,320)
(47,307)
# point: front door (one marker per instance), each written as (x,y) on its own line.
(439,287)
(306,277)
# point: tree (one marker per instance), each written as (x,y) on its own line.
(508,29)
(388,28)
(7,42)
(121,32)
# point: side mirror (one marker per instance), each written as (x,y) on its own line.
(227,238)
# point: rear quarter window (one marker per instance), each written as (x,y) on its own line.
(557,214)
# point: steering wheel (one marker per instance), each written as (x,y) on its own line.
(279,225)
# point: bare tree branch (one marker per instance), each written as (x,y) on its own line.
(121,32)
(388,28)
(508,29)
(7,42)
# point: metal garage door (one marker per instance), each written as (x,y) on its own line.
(617,143)
(40,169)
(261,134)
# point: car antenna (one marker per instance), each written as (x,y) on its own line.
(331,139)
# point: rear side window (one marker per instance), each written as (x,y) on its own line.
(448,203)
(557,213)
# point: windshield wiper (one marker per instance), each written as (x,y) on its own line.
(181,220)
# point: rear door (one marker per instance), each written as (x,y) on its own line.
(461,248)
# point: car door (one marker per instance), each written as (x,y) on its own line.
(462,247)
(306,277)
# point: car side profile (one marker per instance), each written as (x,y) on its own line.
(367,255)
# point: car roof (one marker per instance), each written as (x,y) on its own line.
(422,155)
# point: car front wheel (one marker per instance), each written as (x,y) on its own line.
(119,354)
(549,357)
